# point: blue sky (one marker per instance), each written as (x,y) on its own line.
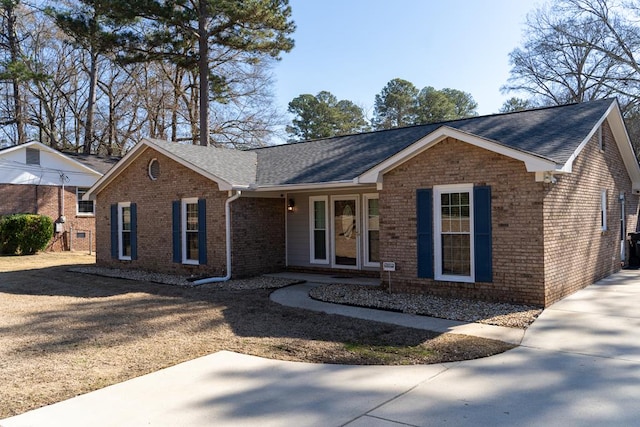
(352,48)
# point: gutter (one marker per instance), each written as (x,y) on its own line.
(227,211)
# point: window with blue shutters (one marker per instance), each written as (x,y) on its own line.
(189,231)
(454,233)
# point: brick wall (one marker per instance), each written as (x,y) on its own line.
(577,251)
(517,201)
(257,224)
(258,236)
(45,200)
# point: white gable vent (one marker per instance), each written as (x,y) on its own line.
(154,169)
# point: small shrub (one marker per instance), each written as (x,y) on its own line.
(25,233)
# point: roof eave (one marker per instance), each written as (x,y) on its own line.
(532,162)
(306,186)
(135,152)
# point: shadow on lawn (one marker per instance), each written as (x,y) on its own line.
(69,310)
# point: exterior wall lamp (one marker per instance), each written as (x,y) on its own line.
(291,205)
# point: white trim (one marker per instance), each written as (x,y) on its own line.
(79,199)
(183,230)
(603,210)
(320,186)
(312,229)
(333,199)
(120,229)
(533,163)
(151,163)
(438,190)
(136,151)
(365,228)
(40,146)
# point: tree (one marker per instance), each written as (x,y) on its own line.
(516,104)
(14,67)
(578,50)
(96,27)
(465,105)
(395,105)
(323,116)
(401,104)
(205,36)
(558,63)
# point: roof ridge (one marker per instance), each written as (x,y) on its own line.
(441,123)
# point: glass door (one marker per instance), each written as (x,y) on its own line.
(345,231)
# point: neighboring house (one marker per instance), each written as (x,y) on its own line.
(35,178)
(525,207)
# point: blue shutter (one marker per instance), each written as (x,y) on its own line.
(134,230)
(424,206)
(482,234)
(114,231)
(177,235)
(202,231)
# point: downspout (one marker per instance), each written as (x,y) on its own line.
(227,212)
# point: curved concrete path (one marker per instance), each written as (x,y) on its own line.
(578,365)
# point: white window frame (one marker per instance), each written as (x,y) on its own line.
(79,199)
(437,240)
(601,144)
(183,230)
(603,210)
(312,229)
(122,205)
(365,227)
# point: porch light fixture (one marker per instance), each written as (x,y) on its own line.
(291,204)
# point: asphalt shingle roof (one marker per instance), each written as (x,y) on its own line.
(553,133)
(234,166)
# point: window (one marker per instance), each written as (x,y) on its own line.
(600,138)
(372,231)
(453,224)
(190,231)
(124,231)
(603,210)
(154,169)
(83,207)
(124,240)
(319,233)
(33,156)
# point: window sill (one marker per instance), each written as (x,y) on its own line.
(461,279)
(190,262)
(85,215)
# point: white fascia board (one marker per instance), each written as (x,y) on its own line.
(308,187)
(532,162)
(620,135)
(614,116)
(61,156)
(223,185)
(134,153)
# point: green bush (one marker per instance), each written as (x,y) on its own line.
(25,234)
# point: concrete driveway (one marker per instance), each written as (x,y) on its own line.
(579,364)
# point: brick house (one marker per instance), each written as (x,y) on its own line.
(525,207)
(35,178)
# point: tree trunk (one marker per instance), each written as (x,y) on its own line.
(93,83)
(203,71)
(15,80)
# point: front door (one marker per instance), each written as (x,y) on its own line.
(346,234)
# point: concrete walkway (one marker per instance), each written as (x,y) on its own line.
(578,365)
(298,296)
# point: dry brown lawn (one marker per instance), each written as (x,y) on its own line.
(64,334)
